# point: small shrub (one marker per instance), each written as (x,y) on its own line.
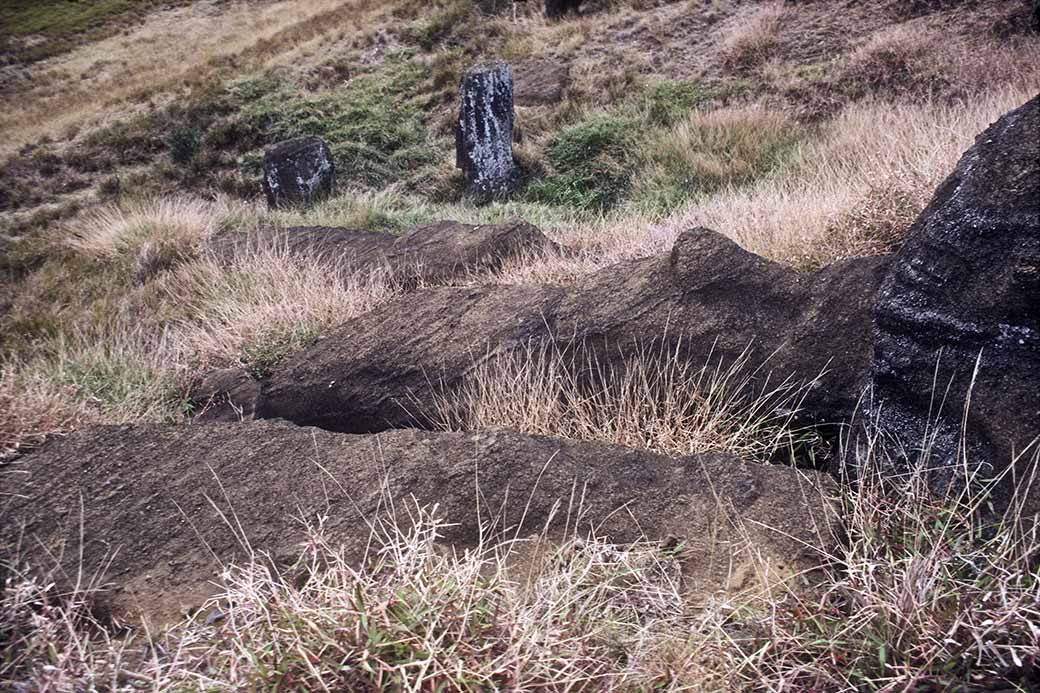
(184,144)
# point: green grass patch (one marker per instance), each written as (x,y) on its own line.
(709,151)
(373,125)
(23,17)
(62,22)
(667,102)
(661,148)
(591,162)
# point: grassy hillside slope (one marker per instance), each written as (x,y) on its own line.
(808,132)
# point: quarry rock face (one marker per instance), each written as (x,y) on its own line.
(158,532)
(484,134)
(298,171)
(388,368)
(965,288)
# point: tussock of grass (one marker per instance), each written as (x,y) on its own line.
(924,592)
(264,305)
(856,186)
(755,39)
(656,400)
(146,232)
(708,151)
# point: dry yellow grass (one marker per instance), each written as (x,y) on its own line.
(871,153)
(172,47)
(854,189)
(657,401)
(754,38)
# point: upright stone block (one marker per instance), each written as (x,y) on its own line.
(484,136)
(555,9)
(298,171)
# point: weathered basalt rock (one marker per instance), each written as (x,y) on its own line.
(158,531)
(387,369)
(965,287)
(298,171)
(554,9)
(484,134)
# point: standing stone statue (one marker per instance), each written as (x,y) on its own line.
(484,136)
(297,171)
(554,9)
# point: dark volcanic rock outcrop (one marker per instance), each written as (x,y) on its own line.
(967,283)
(708,296)
(298,171)
(554,9)
(432,253)
(149,496)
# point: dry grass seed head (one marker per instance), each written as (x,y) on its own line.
(655,399)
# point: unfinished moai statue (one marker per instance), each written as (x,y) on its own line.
(554,9)
(298,171)
(484,135)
